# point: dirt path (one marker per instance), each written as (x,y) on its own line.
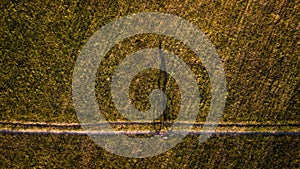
(17,127)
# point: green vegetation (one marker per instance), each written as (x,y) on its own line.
(49,151)
(258,42)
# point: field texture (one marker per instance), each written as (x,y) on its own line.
(257,41)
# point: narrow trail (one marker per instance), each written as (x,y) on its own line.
(45,124)
(17,127)
(74,132)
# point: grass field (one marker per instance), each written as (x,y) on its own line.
(257,41)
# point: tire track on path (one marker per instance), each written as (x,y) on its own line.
(18,127)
